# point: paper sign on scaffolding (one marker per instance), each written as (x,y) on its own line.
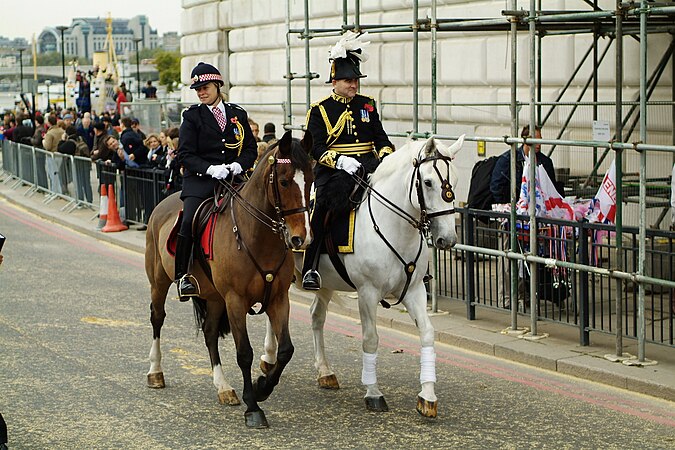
(601,131)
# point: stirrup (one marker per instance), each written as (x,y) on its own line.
(185,296)
(311,281)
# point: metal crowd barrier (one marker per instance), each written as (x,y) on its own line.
(578,290)
(70,178)
(55,174)
(138,190)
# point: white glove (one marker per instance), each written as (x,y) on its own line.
(219,172)
(234,168)
(348,164)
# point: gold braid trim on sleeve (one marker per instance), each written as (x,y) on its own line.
(329,158)
(384,151)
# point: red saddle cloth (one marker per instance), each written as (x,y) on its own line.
(205,238)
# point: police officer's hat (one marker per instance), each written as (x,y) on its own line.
(346,57)
(205,73)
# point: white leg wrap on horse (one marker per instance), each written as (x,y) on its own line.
(427,365)
(369,375)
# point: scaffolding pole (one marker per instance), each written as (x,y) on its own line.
(534,303)
(513,241)
(642,240)
(619,178)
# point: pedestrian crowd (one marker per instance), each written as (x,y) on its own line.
(108,140)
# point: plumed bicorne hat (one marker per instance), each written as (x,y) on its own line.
(346,57)
(205,73)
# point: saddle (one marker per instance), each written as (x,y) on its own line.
(203,225)
(342,206)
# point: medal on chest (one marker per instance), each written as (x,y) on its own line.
(365,112)
(236,130)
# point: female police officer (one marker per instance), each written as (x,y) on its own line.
(215,143)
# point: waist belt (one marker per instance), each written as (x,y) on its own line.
(358,148)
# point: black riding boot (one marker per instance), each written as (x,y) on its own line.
(186,287)
(311,279)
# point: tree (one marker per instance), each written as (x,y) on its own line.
(168,66)
(54,59)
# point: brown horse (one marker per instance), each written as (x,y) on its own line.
(252,263)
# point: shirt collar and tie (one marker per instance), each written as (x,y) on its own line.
(219,113)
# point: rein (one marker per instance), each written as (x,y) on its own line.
(277,226)
(421,224)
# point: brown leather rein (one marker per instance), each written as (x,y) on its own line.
(277,225)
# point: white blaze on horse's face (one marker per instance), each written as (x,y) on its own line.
(433,174)
(293,192)
(304,188)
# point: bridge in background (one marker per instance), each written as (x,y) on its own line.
(54,73)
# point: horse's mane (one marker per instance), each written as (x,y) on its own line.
(393,162)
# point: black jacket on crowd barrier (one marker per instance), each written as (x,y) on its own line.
(203,144)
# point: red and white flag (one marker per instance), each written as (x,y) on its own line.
(604,203)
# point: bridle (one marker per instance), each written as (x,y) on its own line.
(423,223)
(447,194)
(277,225)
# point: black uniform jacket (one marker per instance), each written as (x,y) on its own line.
(202,144)
(343,126)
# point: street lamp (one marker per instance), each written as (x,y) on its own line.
(138,70)
(63,28)
(21,50)
(86,28)
(48,83)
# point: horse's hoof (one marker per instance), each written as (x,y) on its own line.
(427,408)
(376,404)
(228,398)
(260,396)
(256,419)
(266,367)
(329,382)
(156,380)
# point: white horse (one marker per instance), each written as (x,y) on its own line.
(411,194)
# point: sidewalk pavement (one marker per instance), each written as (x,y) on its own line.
(559,352)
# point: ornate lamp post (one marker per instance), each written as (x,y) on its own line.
(138,70)
(48,83)
(63,28)
(86,28)
(21,50)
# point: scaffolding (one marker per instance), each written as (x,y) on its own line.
(627,20)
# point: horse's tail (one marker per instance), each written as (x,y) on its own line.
(199,308)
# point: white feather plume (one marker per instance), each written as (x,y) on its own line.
(350,41)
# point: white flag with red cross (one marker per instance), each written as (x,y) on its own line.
(603,209)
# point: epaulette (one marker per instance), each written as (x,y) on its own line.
(366,96)
(319,102)
(189,108)
(234,105)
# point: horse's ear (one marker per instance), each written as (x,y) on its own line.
(454,148)
(285,142)
(430,147)
(307,142)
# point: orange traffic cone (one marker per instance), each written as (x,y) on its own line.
(114,222)
(103,208)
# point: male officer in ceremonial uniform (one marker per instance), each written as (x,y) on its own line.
(347,135)
(215,143)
